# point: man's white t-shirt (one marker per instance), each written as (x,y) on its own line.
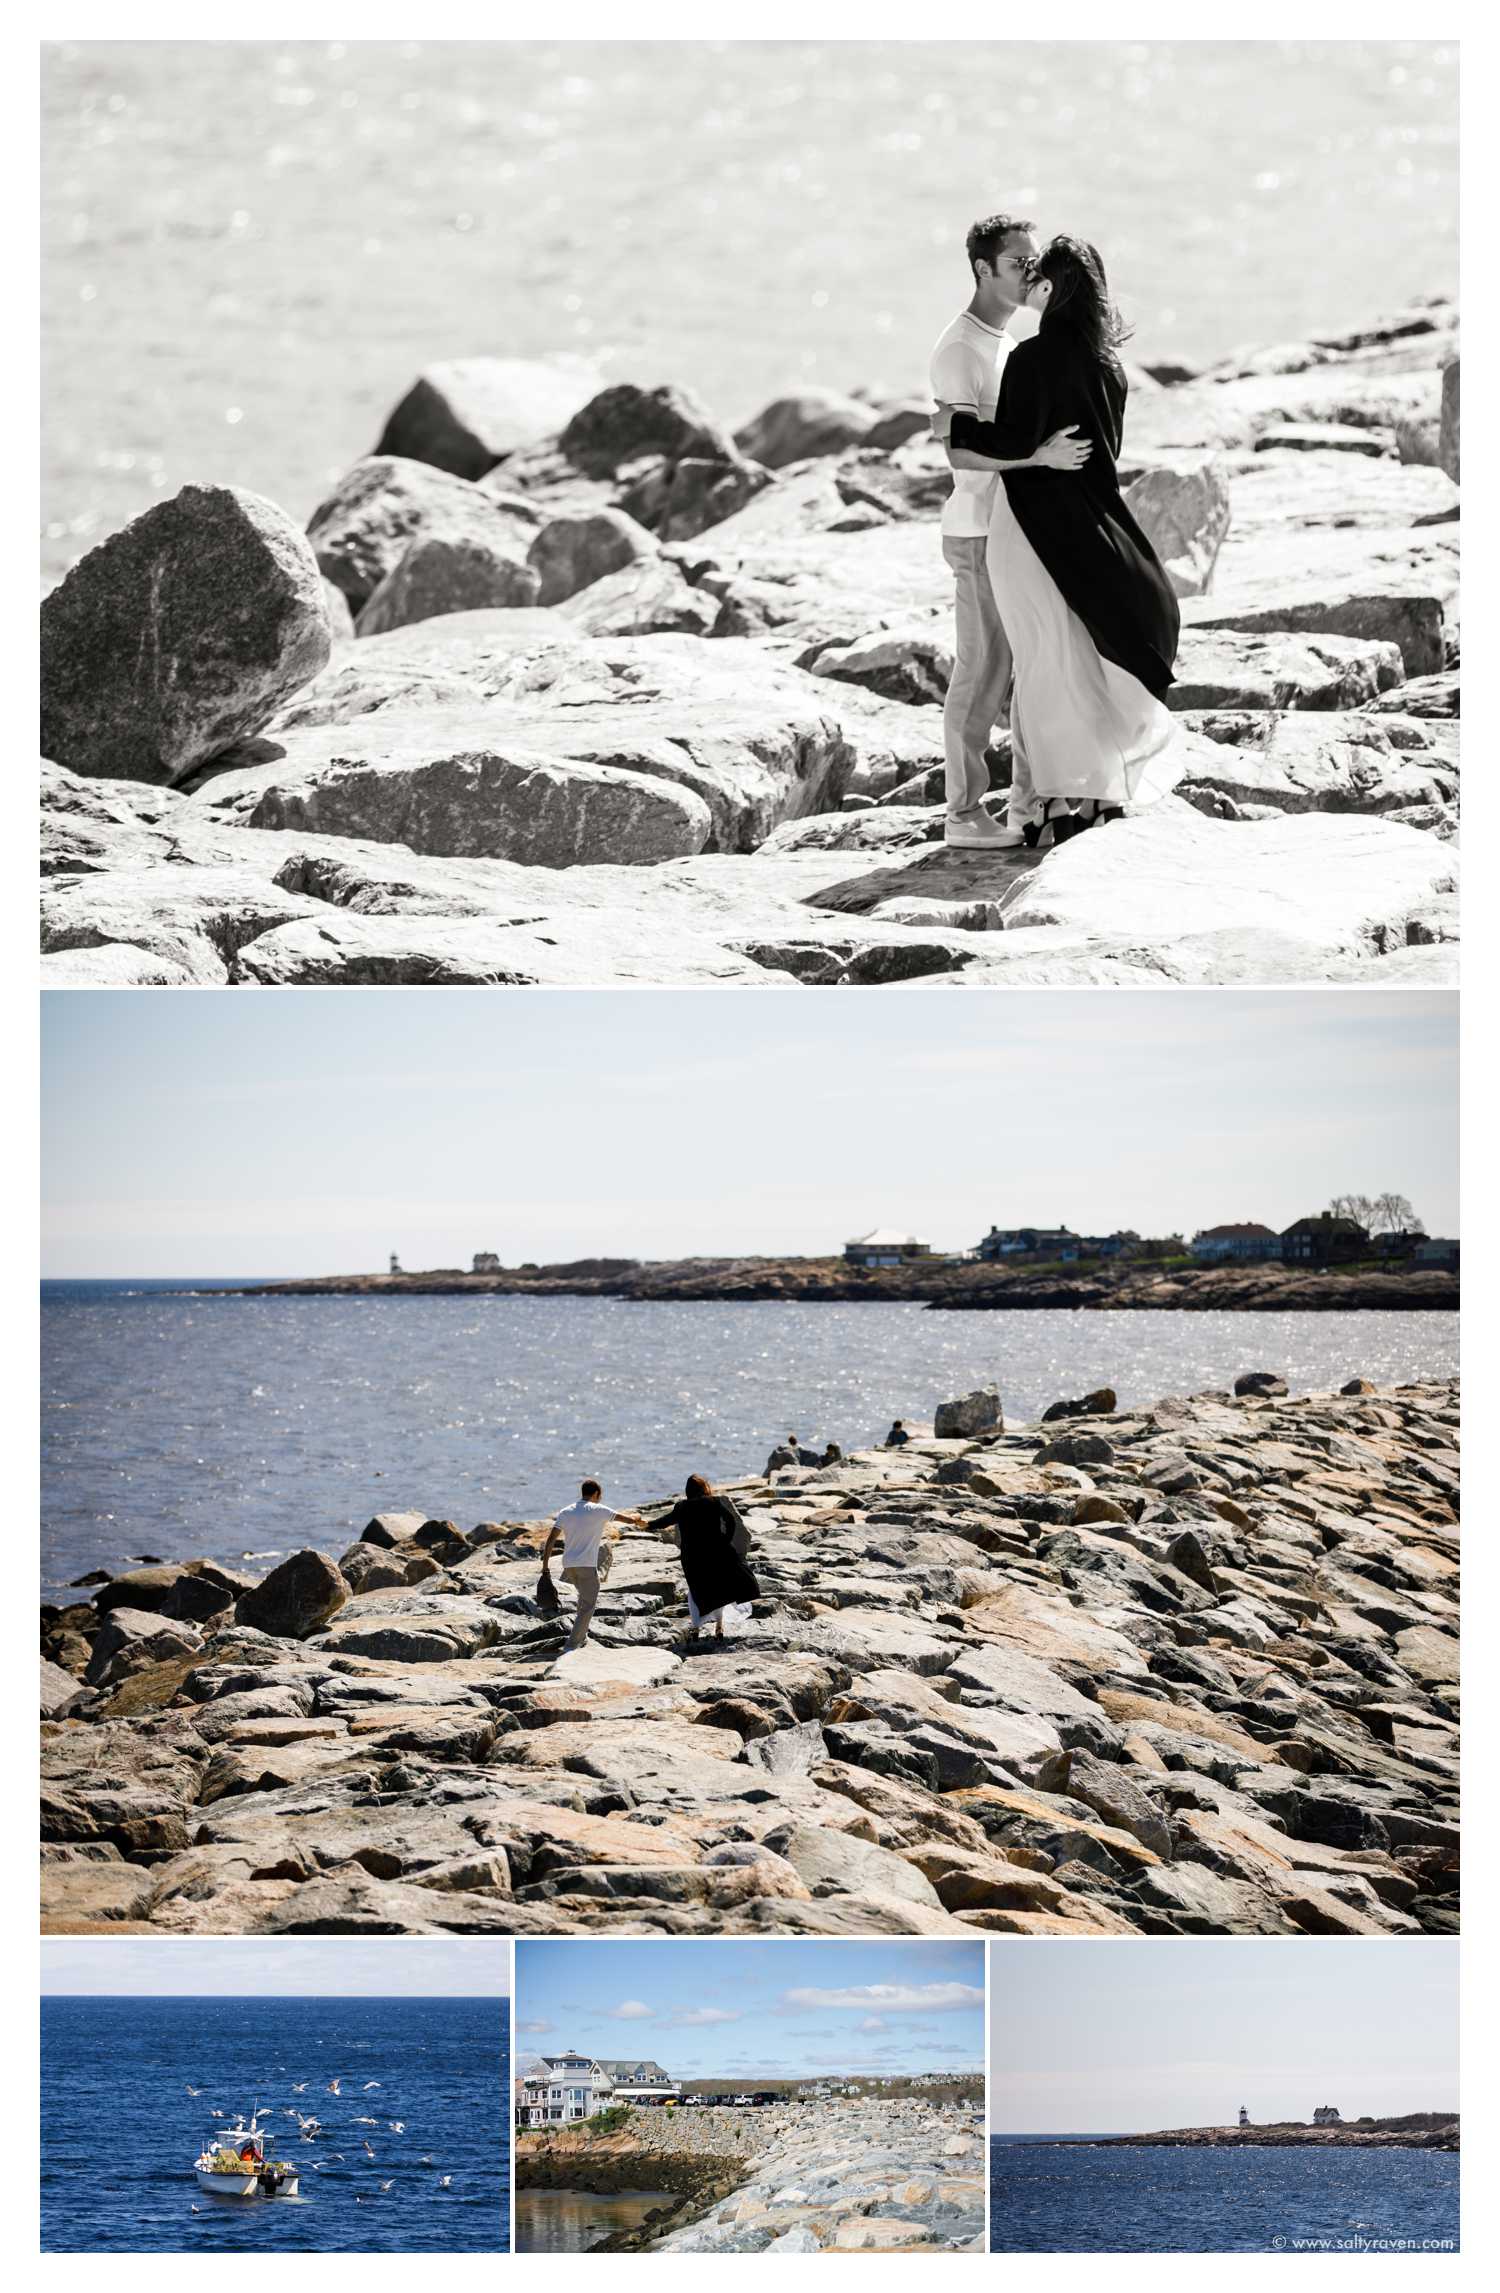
(582,1527)
(965,371)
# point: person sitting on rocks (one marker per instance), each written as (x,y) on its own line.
(586,1551)
(712,1541)
(898,1436)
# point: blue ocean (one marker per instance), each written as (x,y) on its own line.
(117,2071)
(176,1425)
(1045,2198)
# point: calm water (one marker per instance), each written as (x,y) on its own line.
(570,2220)
(181,1425)
(443,2070)
(1046,2200)
(251,249)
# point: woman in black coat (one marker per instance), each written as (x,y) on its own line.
(706,1526)
(1086,603)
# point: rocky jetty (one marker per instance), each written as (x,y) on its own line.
(953,1287)
(848,2176)
(1424,2130)
(1186,1669)
(643,701)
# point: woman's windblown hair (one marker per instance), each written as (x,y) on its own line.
(699,1486)
(1080,295)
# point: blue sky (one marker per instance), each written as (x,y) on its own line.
(315,1132)
(1132,2037)
(715,2009)
(287,1966)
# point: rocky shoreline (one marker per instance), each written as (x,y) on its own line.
(1428,2130)
(1271,1289)
(607,694)
(864,2176)
(1185,1669)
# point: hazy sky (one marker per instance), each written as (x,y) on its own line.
(286,1967)
(315,1132)
(1132,2037)
(720,2009)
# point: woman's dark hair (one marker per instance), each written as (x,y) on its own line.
(1080,295)
(697,1486)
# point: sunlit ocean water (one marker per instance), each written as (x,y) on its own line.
(115,2074)
(1046,2199)
(228,1426)
(250,249)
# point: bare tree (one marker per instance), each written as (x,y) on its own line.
(1378,1213)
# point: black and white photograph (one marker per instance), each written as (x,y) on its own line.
(750,513)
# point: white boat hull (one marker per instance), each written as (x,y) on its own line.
(225,2185)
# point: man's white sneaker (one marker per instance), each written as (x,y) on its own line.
(977,832)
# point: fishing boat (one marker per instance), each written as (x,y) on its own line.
(237,2161)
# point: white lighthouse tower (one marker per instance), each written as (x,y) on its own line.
(395,1263)
(1244,2115)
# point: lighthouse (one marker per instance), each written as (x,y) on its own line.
(1244,2115)
(395,1263)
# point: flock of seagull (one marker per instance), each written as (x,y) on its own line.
(310,2128)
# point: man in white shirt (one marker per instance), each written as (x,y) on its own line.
(586,1551)
(965,371)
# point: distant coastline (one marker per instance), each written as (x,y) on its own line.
(940,1286)
(1421,2130)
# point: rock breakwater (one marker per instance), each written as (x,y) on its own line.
(641,701)
(847,2176)
(1186,1669)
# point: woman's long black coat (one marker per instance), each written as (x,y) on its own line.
(714,1571)
(1075,520)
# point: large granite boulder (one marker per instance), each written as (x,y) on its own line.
(362,530)
(809,422)
(626,423)
(1448,421)
(296,1599)
(570,553)
(648,597)
(180,635)
(971,1414)
(442,574)
(1183,507)
(466,414)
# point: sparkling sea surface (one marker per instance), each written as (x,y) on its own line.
(1045,2199)
(251,249)
(118,2069)
(244,1428)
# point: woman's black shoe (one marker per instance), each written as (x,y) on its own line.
(1032,831)
(1069,826)
(1110,812)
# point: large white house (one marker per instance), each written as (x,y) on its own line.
(560,2089)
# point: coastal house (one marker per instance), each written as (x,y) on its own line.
(486,1262)
(1326,2116)
(560,2089)
(1243,1244)
(1436,1251)
(1324,1241)
(1030,1242)
(1123,1244)
(885,1247)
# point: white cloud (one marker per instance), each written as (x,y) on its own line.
(890,1998)
(632,2010)
(698,2017)
(535,2029)
(873,2022)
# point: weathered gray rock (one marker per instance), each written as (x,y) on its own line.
(362,530)
(571,552)
(178,636)
(1448,434)
(810,422)
(973,1413)
(625,422)
(1183,506)
(466,414)
(1264,667)
(650,596)
(442,574)
(296,1598)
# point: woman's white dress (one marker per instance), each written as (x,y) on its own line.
(1088,727)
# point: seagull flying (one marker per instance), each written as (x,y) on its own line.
(371,2084)
(390,2184)
(443,2184)
(194,2090)
(333,2085)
